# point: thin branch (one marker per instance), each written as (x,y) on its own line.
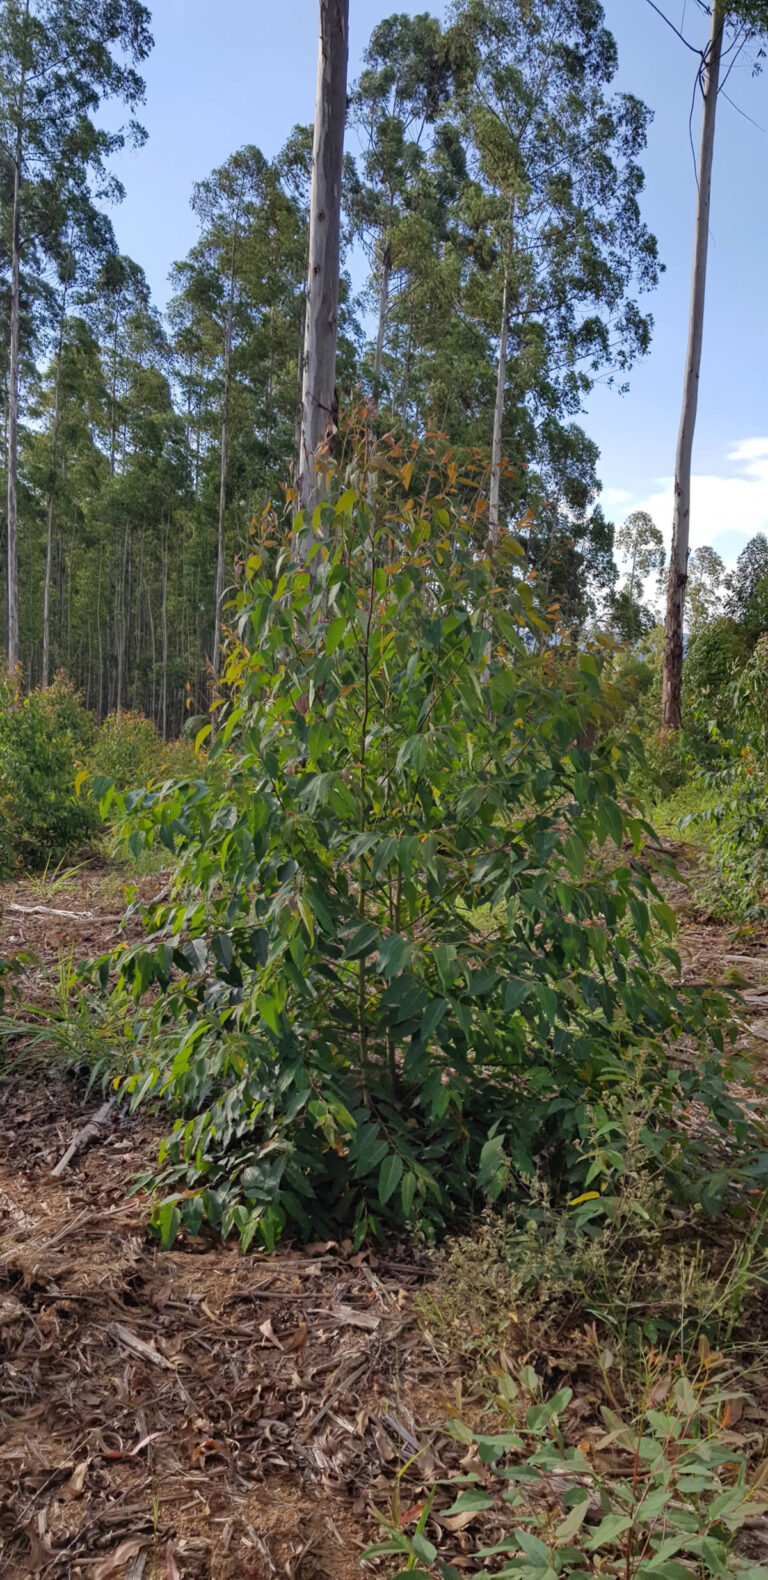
(737,107)
(675,30)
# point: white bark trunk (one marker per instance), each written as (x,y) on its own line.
(13,404)
(222,498)
(318,396)
(386,269)
(678,567)
(52,505)
(498,420)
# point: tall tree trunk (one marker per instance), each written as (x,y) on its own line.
(386,274)
(318,395)
(13,387)
(153,679)
(164,629)
(219,594)
(681,519)
(498,419)
(100,705)
(52,505)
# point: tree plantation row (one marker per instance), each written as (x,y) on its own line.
(491,190)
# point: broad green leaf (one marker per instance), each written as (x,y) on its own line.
(608,1531)
(472,1499)
(390,1175)
(573,1521)
(334,634)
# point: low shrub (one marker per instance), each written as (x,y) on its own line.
(733,881)
(129,751)
(44,738)
(660,1493)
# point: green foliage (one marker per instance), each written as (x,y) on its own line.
(734,882)
(43,738)
(344,1047)
(716,654)
(704,590)
(748,601)
(129,750)
(674,1509)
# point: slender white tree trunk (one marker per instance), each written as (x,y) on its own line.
(165,633)
(222,496)
(318,394)
(386,270)
(13,399)
(678,566)
(498,419)
(224,455)
(52,506)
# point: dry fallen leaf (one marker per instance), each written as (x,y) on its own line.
(409,1515)
(297,1339)
(457,1522)
(150,1438)
(172,1570)
(39,1555)
(660,1389)
(351,1318)
(74,1487)
(203,1451)
(269,1334)
(115,1560)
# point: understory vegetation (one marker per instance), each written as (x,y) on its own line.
(413,970)
(437,954)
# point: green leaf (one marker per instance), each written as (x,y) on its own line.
(364,941)
(423,1548)
(335,633)
(398,1544)
(168,1220)
(390,1175)
(536,1549)
(610,820)
(573,1521)
(470,1500)
(407,1193)
(515,994)
(609,1529)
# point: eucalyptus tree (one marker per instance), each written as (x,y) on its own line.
(63,474)
(733,25)
(641,546)
(88,241)
(236,318)
(393,108)
(641,543)
(556,247)
(60,60)
(707,587)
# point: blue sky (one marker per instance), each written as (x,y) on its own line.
(227,72)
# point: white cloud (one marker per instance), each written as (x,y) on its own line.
(614,498)
(726,511)
(749,450)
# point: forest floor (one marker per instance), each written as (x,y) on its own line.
(193,1414)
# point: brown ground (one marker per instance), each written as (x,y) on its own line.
(193,1414)
(187,1413)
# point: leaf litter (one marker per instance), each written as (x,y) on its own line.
(190,1413)
(196,1415)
